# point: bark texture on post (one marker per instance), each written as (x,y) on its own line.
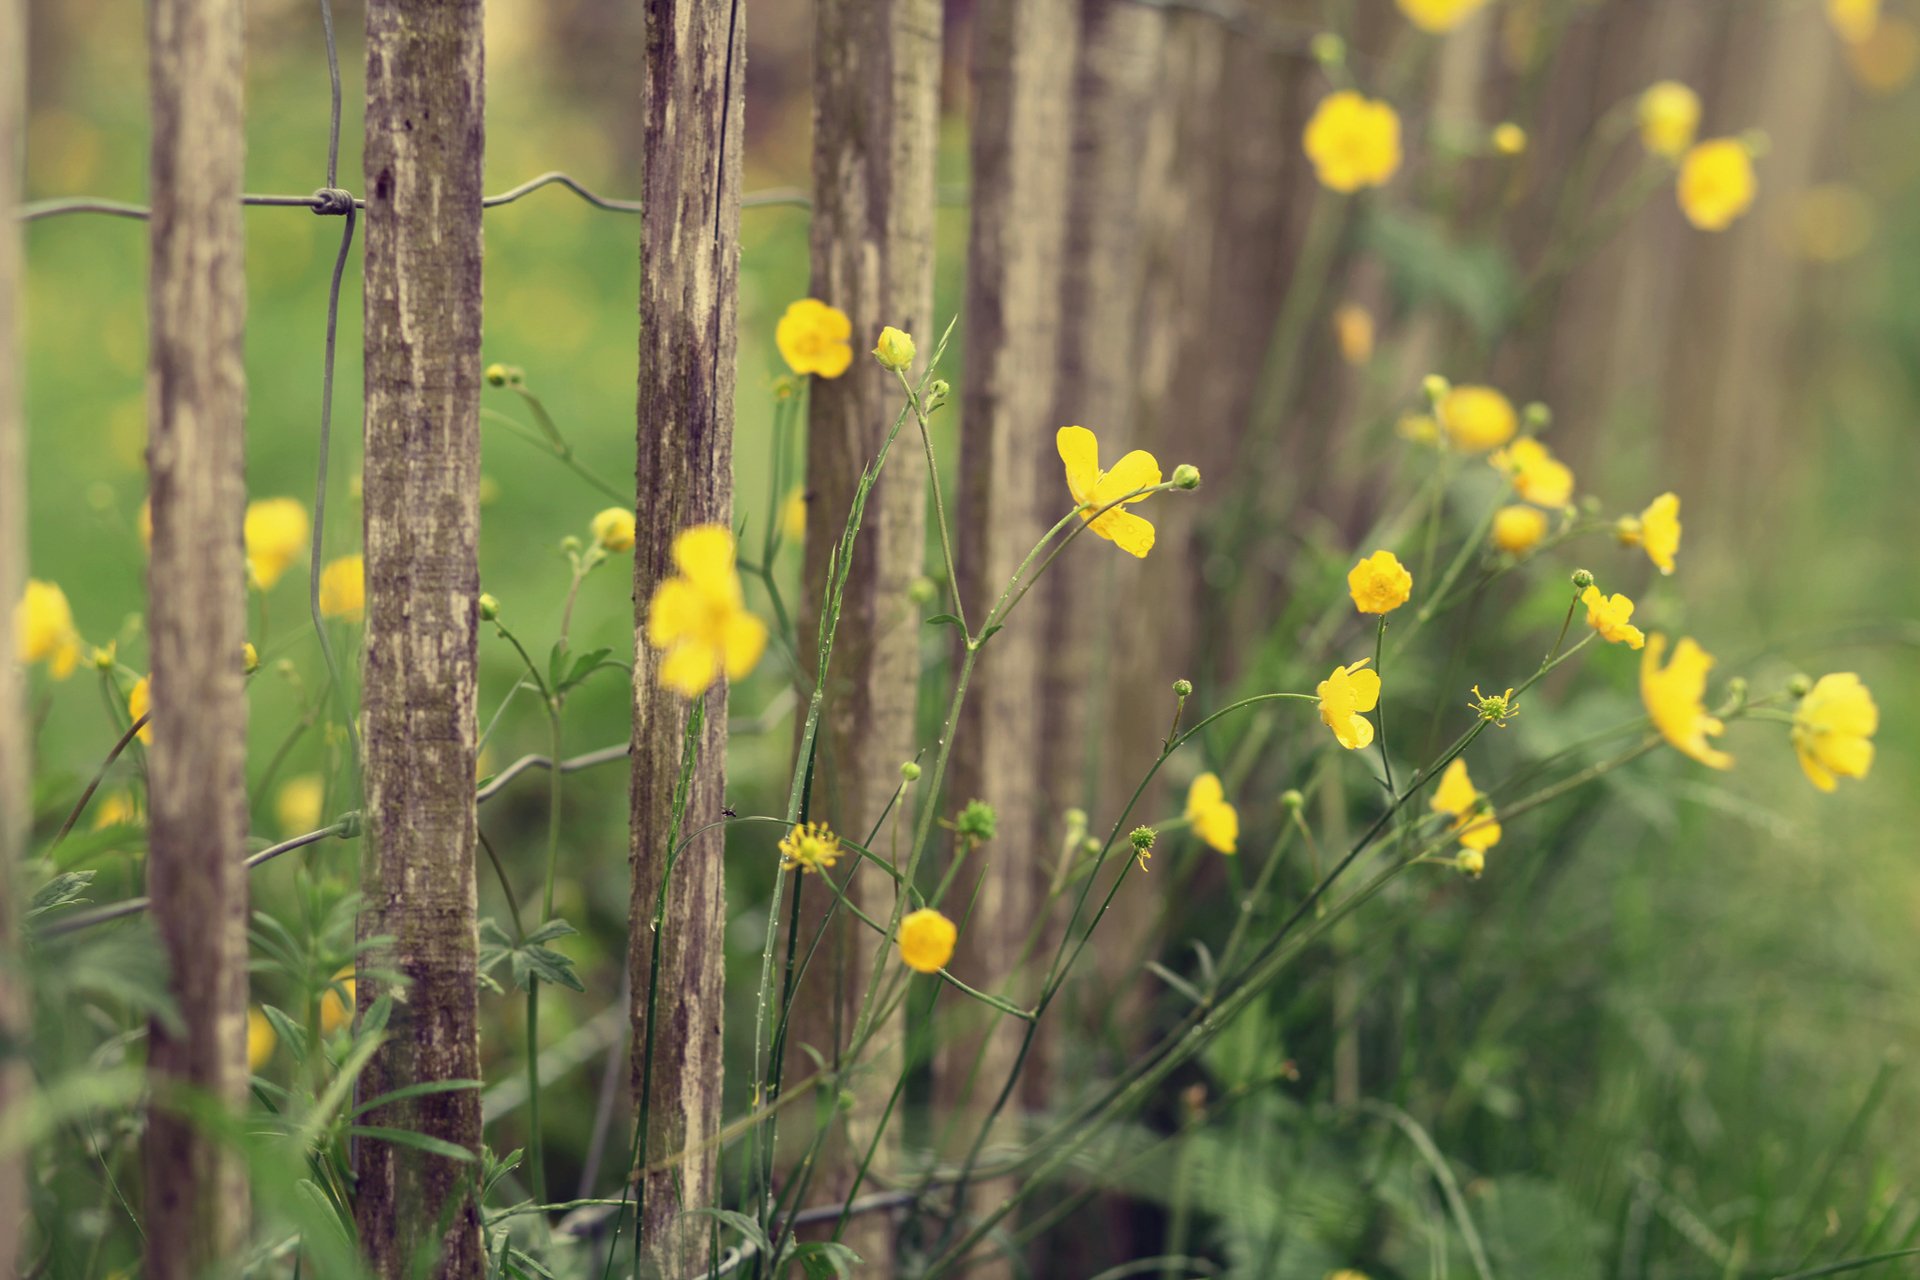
(425,139)
(876,102)
(196,1193)
(693,103)
(1010,476)
(15,1079)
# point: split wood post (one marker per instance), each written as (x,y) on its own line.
(425,139)
(196,1192)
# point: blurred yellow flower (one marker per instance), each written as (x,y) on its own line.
(1674,698)
(144,522)
(276,532)
(613,529)
(1833,222)
(140,703)
(1353,331)
(1716,183)
(793,514)
(1419,428)
(1517,530)
(297,804)
(336,1002)
(1216,822)
(1343,695)
(1669,113)
(1884,62)
(1093,488)
(1379,583)
(1833,730)
(1354,142)
(249,657)
(1439,15)
(1611,617)
(260,1040)
(813,338)
(343,589)
(1473,818)
(1853,20)
(43,629)
(811,846)
(894,350)
(1509,139)
(697,620)
(926,940)
(115,809)
(1477,418)
(1537,475)
(1655,530)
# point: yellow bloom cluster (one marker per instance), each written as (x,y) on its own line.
(1538,477)
(1655,531)
(43,629)
(1216,822)
(613,529)
(1669,114)
(1833,730)
(1379,584)
(1353,142)
(1094,489)
(815,338)
(1474,824)
(276,531)
(1611,616)
(1716,184)
(926,940)
(1476,419)
(697,620)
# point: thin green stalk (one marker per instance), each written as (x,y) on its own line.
(1379,711)
(939,504)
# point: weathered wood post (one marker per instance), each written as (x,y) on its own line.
(425,138)
(693,102)
(876,105)
(196,1193)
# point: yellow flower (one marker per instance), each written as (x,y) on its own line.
(115,810)
(336,1002)
(926,940)
(811,846)
(144,521)
(1353,142)
(1674,694)
(1477,418)
(249,657)
(1537,475)
(1093,488)
(343,589)
(1669,113)
(1379,583)
(1655,530)
(1343,695)
(1853,20)
(1833,222)
(260,1040)
(1473,818)
(613,529)
(1517,530)
(793,515)
(43,629)
(1716,183)
(894,350)
(812,338)
(1353,331)
(139,703)
(698,621)
(1419,428)
(1885,60)
(1609,615)
(1439,15)
(1833,729)
(1216,822)
(1509,139)
(296,805)
(276,533)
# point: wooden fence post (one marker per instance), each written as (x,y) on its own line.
(876,104)
(196,1193)
(693,104)
(425,139)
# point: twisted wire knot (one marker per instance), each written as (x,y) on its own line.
(332,202)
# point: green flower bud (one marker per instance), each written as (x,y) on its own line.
(1582,579)
(496,375)
(910,772)
(1537,416)
(1183,688)
(1436,387)
(1142,838)
(976,821)
(1800,685)
(894,350)
(1291,799)
(489,607)
(922,591)
(1328,49)
(1186,476)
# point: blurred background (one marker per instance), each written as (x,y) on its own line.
(1669,1034)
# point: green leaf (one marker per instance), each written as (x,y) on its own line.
(63,890)
(744,1224)
(413,1091)
(408,1138)
(826,1259)
(291,1033)
(551,966)
(554,928)
(945,618)
(585,665)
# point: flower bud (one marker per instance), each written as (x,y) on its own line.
(1328,49)
(496,375)
(894,350)
(1183,688)
(1471,863)
(104,656)
(1186,476)
(1537,416)
(1142,838)
(1509,139)
(1582,579)
(1800,685)
(922,591)
(1436,387)
(252,657)
(977,821)
(910,772)
(937,392)
(489,607)
(1292,799)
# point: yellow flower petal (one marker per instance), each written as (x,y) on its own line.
(745,641)
(689,669)
(704,554)
(926,940)
(1136,470)
(1131,533)
(1080,451)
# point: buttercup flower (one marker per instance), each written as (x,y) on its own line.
(276,532)
(894,350)
(698,620)
(613,529)
(1216,822)
(813,338)
(297,804)
(1354,142)
(1537,475)
(337,1002)
(1609,615)
(1508,138)
(1353,331)
(926,940)
(1472,816)
(1716,183)
(1379,583)
(43,629)
(260,1040)
(1833,730)
(1439,15)
(140,703)
(343,589)
(1477,418)
(1669,113)
(115,810)
(1093,488)
(1343,695)
(1673,695)
(1517,530)
(811,846)
(1655,531)
(1853,20)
